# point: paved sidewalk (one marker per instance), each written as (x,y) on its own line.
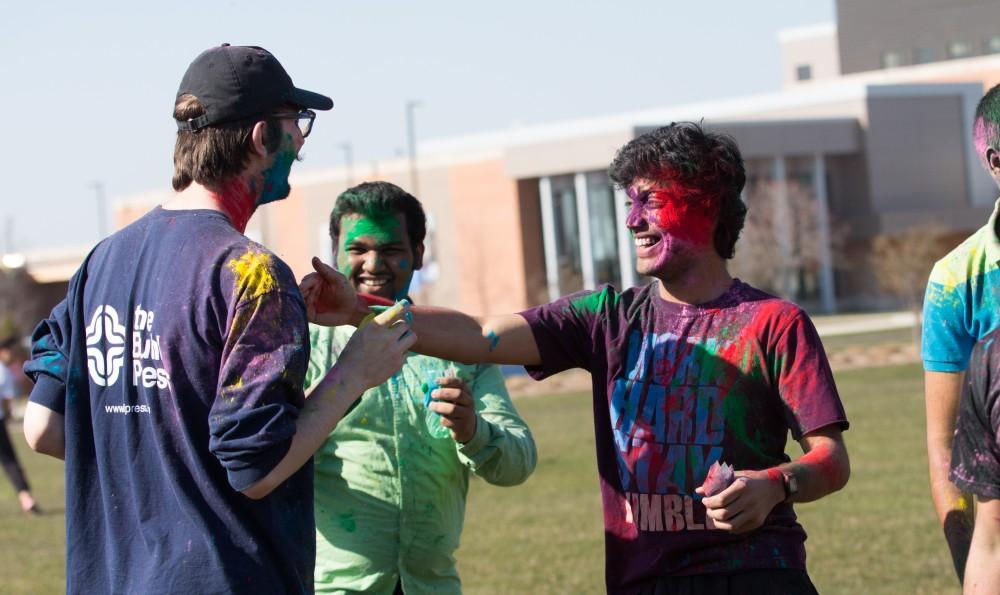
(849,324)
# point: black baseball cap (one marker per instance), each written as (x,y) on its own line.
(237,82)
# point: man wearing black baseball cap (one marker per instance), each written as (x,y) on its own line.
(170,377)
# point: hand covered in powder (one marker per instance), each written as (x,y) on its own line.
(719,478)
(378,349)
(453,401)
(744,505)
(330,298)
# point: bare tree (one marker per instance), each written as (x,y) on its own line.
(779,247)
(19,304)
(903,261)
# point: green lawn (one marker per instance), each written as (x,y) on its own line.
(877,536)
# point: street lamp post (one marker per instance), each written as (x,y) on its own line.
(102,216)
(348,163)
(411,137)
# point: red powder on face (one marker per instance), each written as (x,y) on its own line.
(683,213)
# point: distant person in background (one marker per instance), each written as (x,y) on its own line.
(8,458)
(961,306)
(975,463)
(392,478)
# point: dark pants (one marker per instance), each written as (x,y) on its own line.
(751,582)
(9,461)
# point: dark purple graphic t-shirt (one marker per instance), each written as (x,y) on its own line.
(677,388)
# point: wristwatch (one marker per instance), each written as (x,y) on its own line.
(790,484)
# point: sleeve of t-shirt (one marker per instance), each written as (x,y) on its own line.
(253,418)
(48,365)
(502,451)
(565,330)
(946,343)
(805,382)
(975,455)
(320,354)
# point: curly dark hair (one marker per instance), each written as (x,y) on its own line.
(375,199)
(707,162)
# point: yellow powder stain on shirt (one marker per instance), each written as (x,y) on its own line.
(253,274)
(228,390)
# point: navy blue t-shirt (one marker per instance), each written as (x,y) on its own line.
(177,359)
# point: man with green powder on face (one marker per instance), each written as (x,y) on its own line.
(392,477)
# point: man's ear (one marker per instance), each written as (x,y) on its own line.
(418,257)
(993,162)
(257,139)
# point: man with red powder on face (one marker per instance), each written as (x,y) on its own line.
(692,369)
(170,378)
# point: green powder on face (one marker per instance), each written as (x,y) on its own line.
(381,227)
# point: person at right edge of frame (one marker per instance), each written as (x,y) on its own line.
(961,306)
(693,369)
(975,464)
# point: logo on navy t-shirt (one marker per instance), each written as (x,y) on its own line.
(107,349)
(105,330)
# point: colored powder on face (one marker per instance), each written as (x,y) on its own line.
(684,214)
(381,227)
(253,274)
(276,177)
(982,134)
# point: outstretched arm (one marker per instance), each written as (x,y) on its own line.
(823,469)
(447,334)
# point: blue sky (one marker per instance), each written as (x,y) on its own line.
(89,86)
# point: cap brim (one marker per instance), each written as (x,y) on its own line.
(308,99)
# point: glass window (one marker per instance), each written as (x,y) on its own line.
(604,229)
(992,45)
(567,232)
(803,72)
(924,55)
(959,49)
(892,59)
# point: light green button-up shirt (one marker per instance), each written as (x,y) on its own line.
(390,498)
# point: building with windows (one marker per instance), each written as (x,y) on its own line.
(873,124)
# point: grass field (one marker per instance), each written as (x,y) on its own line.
(877,536)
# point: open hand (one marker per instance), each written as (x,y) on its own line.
(744,505)
(457,408)
(330,298)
